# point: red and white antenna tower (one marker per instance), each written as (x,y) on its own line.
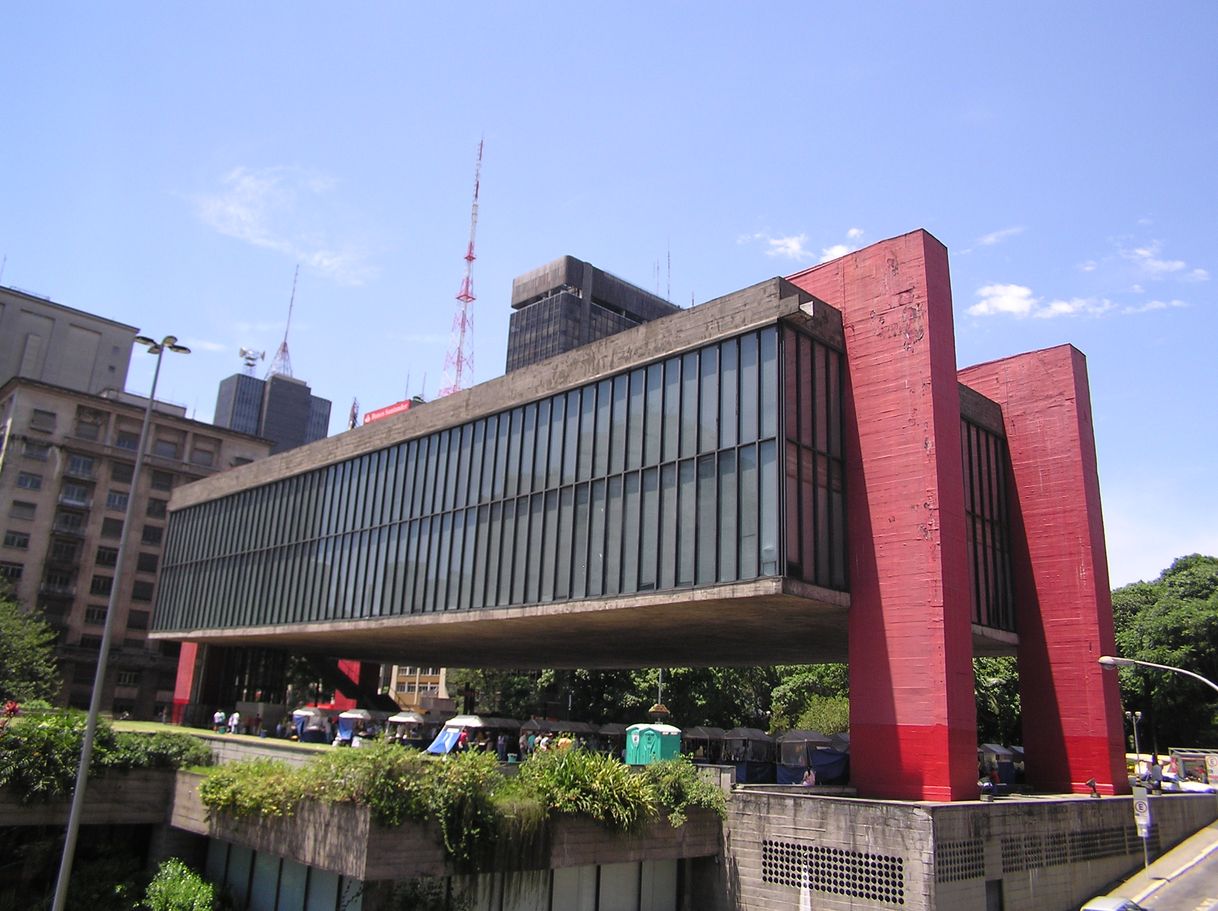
(460,361)
(282,364)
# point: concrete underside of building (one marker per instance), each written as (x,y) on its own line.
(795,472)
(788,622)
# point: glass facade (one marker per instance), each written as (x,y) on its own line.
(987,522)
(815,471)
(662,477)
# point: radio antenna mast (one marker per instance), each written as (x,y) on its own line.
(460,361)
(282,364)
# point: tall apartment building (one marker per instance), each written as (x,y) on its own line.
(568,303)
(281,409)
(66,462)
(43,340)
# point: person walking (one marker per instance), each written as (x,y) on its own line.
(218,721)
(234,722)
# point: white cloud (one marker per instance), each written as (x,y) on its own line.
(204,345)
(1154,305)
(997,237)
(795,246)
(1198,275)
(1012,299)
(1137,289)
(1020,302)
(1087,306)
(273,208)
(1089,266)
(1147,259)
(791,247)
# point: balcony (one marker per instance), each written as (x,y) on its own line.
(57,589)
(76,501)
(68,528)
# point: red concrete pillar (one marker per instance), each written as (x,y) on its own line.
(913,719)
(1072,727)
(184,685)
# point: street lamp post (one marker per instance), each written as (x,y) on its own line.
(168,343)
(1109,661)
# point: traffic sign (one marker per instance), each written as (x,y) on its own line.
(1141,813)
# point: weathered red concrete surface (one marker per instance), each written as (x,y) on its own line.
(1072,720)
(183,687)
(913,718)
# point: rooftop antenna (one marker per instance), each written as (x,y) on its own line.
(353,416)
(282,364)
(459,361)
(3,263)
(668,294)
(249,357)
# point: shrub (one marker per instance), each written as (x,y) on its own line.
(391,781)
(176,887)
(579,782)
(156,751)
(678,786)
(39,754)
(259,787)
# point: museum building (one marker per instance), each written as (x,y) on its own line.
(795,472)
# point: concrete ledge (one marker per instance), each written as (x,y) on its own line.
(343,838)
(116,798)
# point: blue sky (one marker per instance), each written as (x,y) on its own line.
(168,165)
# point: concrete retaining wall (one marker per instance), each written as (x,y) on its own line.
(1039,854)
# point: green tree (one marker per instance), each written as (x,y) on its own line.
(807,692)
(497,692)
(27,659)
(1172,621)
(996,689)
(176,887)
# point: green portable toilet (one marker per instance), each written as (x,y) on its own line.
(648,743)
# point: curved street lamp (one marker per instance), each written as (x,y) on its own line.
(1109,661)
(168,343)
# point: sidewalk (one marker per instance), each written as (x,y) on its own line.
(1166,868)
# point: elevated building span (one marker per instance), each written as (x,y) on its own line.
(794,472)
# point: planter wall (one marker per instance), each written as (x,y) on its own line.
(116,798)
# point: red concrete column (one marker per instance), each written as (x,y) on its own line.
(1072,727)
(183,688)
(913,720)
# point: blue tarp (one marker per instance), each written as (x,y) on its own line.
(753,772)
(830,766)
(444,742)
(346,728)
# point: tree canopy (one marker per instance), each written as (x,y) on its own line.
(27,659)
(1174,621)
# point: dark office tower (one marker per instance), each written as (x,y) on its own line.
(569,303)
(281,409)
(239,404)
